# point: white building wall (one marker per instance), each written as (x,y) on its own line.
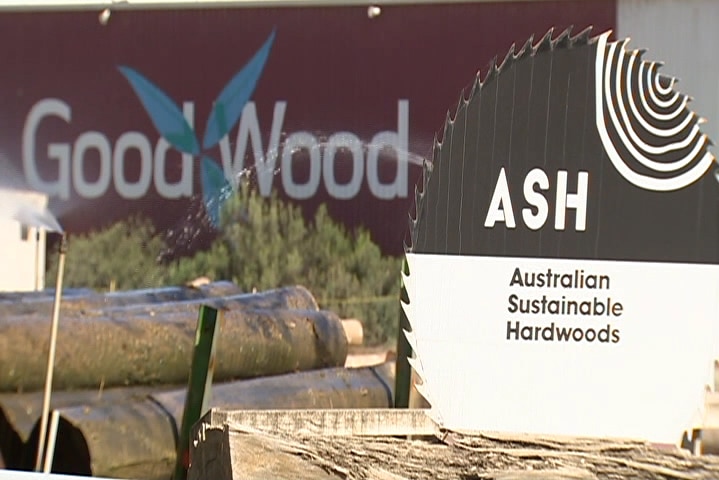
(22,253)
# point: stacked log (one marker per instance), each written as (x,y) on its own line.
(19,413)
(152,345)
(145,349)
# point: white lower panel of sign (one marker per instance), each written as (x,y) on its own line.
(593,348)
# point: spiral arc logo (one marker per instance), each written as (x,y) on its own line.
(650,135)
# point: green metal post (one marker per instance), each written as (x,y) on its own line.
(403,370)
(199,384)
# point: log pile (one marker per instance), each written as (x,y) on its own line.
(123,360)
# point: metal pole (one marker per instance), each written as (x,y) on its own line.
(403,373)
(51,439)
(51,356)
(37,259)
(199,385)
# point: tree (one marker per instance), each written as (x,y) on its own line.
(265,243)
(122,256)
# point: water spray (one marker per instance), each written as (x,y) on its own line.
(51,355)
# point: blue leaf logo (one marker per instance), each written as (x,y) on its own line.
(166,116)
(226,111)
(215,188)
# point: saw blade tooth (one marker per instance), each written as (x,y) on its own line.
(448,121)
(426,172)
(564,39)
(508,59)
(624,44)
(606,34)
(436,146)
(406,282)
(408,248)
(476,86)
(582,38)
(411,339)
(424,391)
(416,365)
(412,224)
(428,166)
(407,285)
(420,383)
(408,312)
(492,65)
(491,71)
(545,44)
(460,103)
(404,295)
(527,48)
(418,196)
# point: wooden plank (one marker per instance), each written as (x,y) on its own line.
(341,422)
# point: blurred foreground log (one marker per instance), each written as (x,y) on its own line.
(137,439)
(243,444)
(235,451)
(40,303)
(119,349)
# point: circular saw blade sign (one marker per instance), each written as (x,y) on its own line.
(563,260)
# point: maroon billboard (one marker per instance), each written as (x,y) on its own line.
(320,104)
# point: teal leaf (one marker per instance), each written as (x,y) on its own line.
(166,116)
(227,108)
(215,189)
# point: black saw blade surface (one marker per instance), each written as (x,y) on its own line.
(580,105)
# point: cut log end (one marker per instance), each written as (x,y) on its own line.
(354,331)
